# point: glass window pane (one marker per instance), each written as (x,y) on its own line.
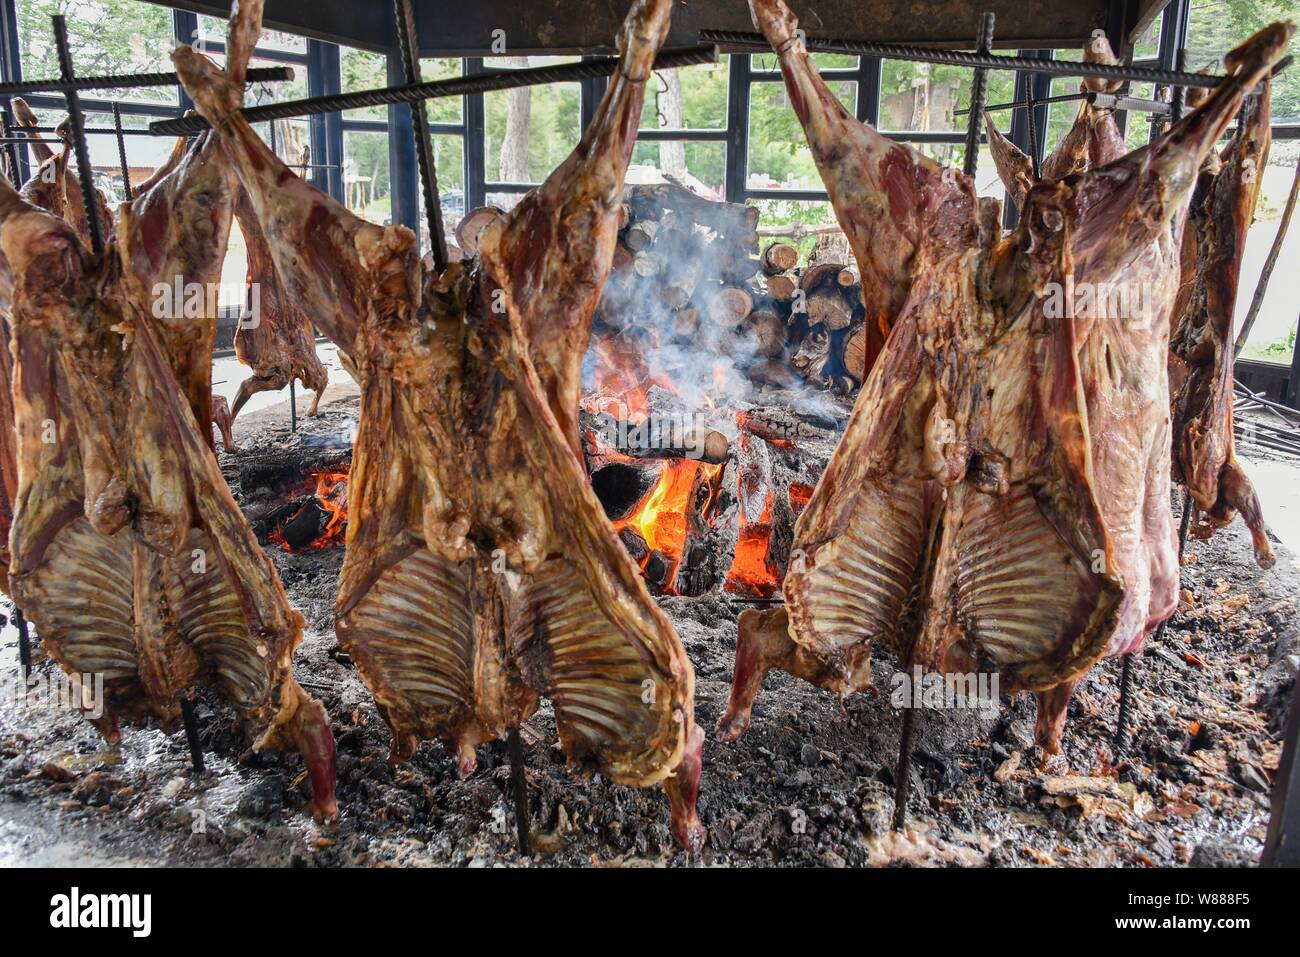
(366,184)
(1147,45)
(529,131)
(779,157)
(106,36)
(775,213)
(363,70)
(1272,338)
(1216,26)
(449,158)
(701,167)
(694,98)
(214,29)
(445,109)
(769,63)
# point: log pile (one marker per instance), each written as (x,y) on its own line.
(689,272)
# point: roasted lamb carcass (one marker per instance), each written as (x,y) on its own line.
(481,572)
(129,553)
(277,340)
(1201,348)
(1000,498)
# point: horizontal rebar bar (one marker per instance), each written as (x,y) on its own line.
(434,89)
(127,81)
(985,61)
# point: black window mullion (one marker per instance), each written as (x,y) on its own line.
(869,90)
(738,80)
(475,145)
(185,29)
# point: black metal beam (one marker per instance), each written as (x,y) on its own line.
(738,127)
(403,175)
(590,26)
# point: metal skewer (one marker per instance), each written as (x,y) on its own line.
(406,40)
(85,174)
(121,152)
(433,89)
(126,81)
(519,781)
(979,60)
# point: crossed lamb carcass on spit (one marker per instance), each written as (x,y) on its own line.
(129,552)
(481,572)
(1000,500)
(1201,350)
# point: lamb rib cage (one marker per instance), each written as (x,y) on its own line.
(480,571)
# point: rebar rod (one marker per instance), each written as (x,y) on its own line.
(24,643)
(406,41)
(126,81)
(435,89)
(519,780)
(77,120)
(121,152)
(192,735)
(987,61)
(979,93)
(903,767)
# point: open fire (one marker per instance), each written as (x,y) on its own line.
(321,520)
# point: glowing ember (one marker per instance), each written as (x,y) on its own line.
(751,573)
(332,499)
(800,495)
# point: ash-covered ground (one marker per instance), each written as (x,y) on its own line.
(810,783)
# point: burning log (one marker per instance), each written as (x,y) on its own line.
(656,438)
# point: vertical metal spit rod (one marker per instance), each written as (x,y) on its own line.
(408,41)
(903,768)
(121,151)
(519,781)
(192,734)
(293,407)
(1031,125)
(1127,676)
(24,643)
(978,96)
(85,174)
(979,93)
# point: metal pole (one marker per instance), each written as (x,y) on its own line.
(978,95)
(520,782)
(192,735)
(126,81)
(293,407)
(434,89)
(903,767)
(408,43)
(84,173)
(24,643)
(121,152)
(982,59)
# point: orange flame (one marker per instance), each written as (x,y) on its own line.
(332,497)
(661,518)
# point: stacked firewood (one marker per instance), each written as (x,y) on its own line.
(689,269)
(821,306)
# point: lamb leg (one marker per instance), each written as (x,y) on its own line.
(555,267)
